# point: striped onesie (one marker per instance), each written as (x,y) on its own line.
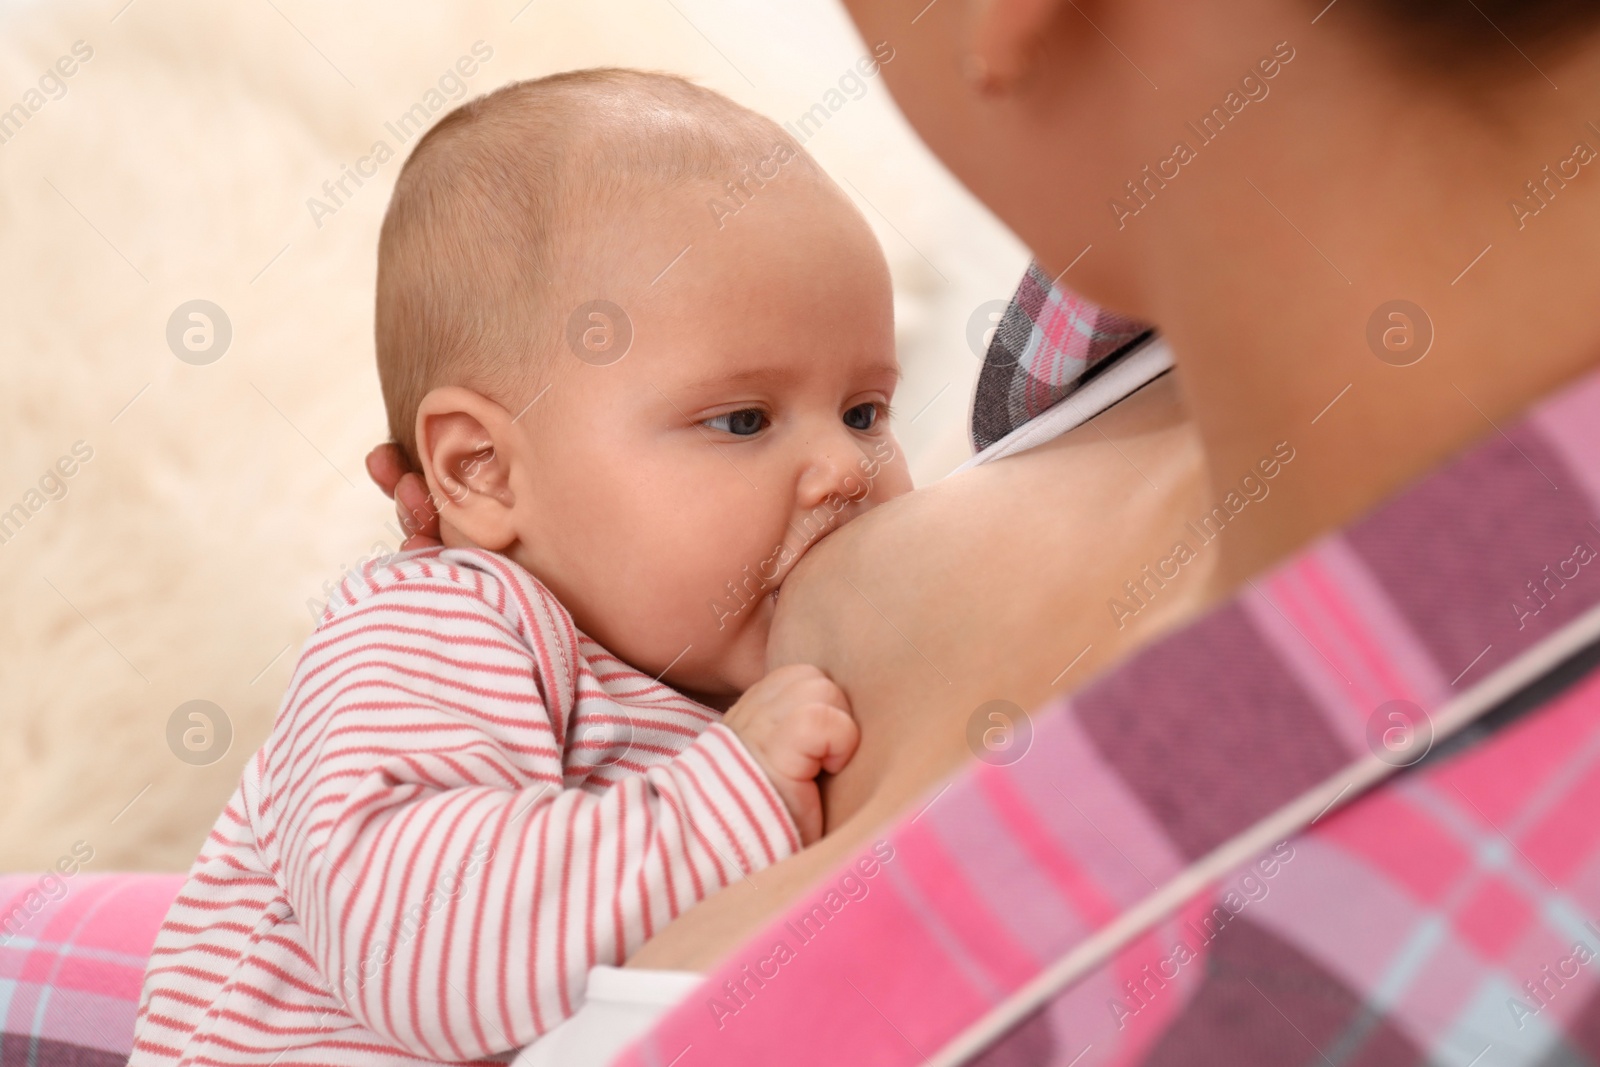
(463,805)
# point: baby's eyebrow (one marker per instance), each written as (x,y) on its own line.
(771,375)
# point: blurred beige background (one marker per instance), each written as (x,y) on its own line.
(175,163)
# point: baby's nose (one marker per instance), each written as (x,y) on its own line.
(833,473)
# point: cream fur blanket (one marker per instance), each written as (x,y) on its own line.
(177,515)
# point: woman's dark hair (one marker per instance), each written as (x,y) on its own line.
(1483,36)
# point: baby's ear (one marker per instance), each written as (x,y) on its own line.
(465,447)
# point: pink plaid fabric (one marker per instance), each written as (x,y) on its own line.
(1048,341)
(72,955)
(1450,916)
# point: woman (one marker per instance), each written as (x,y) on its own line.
(1234,258)
(1265,179)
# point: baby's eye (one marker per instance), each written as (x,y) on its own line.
(742,423)
(862,416)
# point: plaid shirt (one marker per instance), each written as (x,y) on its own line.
(1048,342)
(1450,915)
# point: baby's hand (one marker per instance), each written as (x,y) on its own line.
(387,466)
(797,723)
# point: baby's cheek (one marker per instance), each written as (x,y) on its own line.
(891,474)
(899,484)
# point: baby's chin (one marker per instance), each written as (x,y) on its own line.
(748,659)
(740,663)
(745,659)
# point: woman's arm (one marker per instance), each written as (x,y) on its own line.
(985,586)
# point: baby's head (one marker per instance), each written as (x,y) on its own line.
(635,339)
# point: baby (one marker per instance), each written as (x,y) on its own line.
(641,348)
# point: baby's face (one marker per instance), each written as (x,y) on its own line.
(666,496)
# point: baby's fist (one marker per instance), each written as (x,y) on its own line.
(797,724)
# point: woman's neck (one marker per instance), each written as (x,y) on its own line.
(1286,335)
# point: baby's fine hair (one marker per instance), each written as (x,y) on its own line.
(494,202)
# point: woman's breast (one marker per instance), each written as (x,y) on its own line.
(996,588)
